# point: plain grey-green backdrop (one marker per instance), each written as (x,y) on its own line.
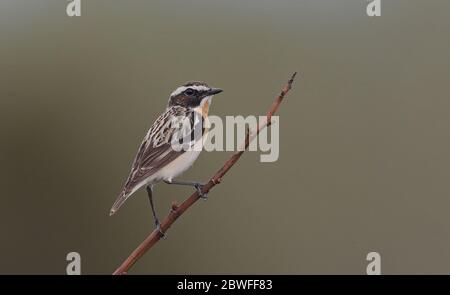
(365,146)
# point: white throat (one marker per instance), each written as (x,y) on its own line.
(203,108)
(206,100)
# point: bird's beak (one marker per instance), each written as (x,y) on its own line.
(213,91)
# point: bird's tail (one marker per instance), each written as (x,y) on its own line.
(123,196)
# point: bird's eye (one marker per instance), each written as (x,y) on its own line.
(189,91)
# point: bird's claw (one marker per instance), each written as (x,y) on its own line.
(161,233)
(199,188)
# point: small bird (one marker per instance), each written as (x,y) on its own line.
(160,157)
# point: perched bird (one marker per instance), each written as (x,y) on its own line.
(160,157)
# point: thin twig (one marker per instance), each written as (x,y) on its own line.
(177,210)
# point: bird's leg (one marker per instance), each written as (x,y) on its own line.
(197,185)
(155,218)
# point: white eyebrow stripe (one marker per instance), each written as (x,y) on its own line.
(183,88)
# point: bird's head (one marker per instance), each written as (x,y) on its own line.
(192,94)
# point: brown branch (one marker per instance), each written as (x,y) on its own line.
(176,211)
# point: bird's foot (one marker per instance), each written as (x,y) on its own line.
(199,187)
(158,228)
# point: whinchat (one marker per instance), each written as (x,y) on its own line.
(160,157)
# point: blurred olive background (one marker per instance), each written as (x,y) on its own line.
(365,149)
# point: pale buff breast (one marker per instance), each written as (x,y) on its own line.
(184,161)
(203,109)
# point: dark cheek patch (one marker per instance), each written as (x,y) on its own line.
(186,101)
